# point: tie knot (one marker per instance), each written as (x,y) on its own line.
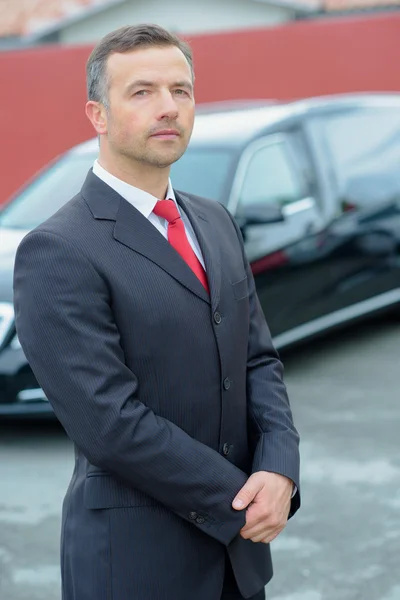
(166,209)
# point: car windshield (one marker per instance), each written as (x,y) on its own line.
(201,171)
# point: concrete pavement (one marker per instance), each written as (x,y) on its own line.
(344,544)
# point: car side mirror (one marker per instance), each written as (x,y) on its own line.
(259,214)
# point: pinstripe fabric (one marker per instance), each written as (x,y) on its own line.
(230,589)
(151,386)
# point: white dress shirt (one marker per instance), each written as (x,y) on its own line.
(145,203)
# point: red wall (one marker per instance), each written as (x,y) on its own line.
(42,91)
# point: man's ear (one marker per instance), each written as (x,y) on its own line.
(97,115)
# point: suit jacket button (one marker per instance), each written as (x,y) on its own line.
(193,516)
(226,449)
(200,520)
(227,383)
(217,318)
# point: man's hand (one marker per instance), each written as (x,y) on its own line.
(267,497)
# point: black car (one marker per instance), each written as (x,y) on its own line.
(315,188)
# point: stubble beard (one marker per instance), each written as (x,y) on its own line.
(139,151)
(150,157)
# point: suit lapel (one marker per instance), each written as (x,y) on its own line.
(207,238)
(135,231)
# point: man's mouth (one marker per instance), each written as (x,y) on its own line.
(166,134)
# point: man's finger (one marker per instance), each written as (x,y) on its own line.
(258,520)
(267,536)
(260,531)
(247,494)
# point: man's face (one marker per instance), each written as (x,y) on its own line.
(151,105)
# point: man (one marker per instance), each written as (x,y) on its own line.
(137,311)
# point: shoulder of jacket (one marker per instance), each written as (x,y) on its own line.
(57,223)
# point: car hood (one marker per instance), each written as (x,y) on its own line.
(9,242)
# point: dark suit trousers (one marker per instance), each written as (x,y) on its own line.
(230,590)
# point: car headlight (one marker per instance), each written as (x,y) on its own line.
(6,319)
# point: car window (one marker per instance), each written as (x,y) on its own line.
(365,150)
(48,192)
(270,177)
(201,171)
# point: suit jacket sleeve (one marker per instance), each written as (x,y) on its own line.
(67,331)
(269,413)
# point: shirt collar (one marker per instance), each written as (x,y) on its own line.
(141,200)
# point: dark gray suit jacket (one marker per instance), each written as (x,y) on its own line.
(172,397)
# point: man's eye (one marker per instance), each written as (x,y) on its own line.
(141,93)
(181,92)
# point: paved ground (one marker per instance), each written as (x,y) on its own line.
(345,542)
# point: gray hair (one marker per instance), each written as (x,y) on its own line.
(126,39)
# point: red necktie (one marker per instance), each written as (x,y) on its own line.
(166,209)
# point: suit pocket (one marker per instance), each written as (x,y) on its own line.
(240,289)
(104,491)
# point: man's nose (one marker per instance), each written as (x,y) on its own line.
(168,106)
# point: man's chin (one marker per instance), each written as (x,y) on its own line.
(156,159)
(166,160)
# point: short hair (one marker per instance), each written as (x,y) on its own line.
(126,39)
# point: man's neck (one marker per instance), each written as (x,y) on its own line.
(150,179)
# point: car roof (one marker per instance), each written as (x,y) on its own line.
(233,123)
